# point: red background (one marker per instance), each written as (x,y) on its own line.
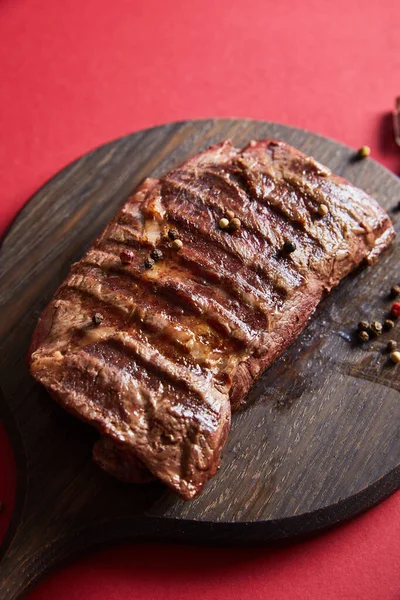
(75,74)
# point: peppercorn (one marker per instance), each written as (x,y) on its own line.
(376,328)
(363,325)
(364,151)
(156,254)
(173,234)
(177,244)
(395,291)
(234,224)
(223,223)
(395,310)
(97,318)
(322,210)
(395,357)
(126,256)
(230,215)
(391,345)
(289,247)
(388,324)
(363,336)
(148,263)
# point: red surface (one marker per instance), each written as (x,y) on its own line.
(75,74)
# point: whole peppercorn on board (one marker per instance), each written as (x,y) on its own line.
(316,441)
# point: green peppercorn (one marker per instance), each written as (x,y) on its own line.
(177,244)
(223,223)
(395,291)
(323,210)
(235,224)
(364,151)
(376,328)
(391,345)
(395,357)
(363,336)
(388,324)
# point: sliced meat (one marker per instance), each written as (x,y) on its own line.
(185,332)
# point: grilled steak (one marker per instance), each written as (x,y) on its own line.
(181,333)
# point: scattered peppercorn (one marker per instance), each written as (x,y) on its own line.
(395,357)
(127,256)
(148,263)
(289,247)
(388,324)
(230,214)
(223,223)
(363,336)
(322,210)
(395,310)
(391,345)
(364,151)
(156,254)
(173,234)
(234,224)
(97,318)
(395,291)
(177,244)
(363,325)
(376,328)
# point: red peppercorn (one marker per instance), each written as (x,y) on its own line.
(126,256)
(396,309)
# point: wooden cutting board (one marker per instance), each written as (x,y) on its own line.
(317,443)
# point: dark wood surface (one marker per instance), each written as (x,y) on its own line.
(319,438)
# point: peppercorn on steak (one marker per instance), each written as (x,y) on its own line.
(200,282)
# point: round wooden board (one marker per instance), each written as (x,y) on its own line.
(319,439)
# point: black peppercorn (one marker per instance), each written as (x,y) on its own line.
(363,325)
(97,319)
(148,263)
(289,247)
(388,324)
(156,254)
(391,345)
(363,336)
(173,234)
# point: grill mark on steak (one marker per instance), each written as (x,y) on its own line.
(164,409)
(193,296)
(279,281)
(182,342)
(188,347)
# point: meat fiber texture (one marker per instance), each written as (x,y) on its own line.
(180,343)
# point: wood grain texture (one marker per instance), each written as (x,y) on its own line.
(317,442)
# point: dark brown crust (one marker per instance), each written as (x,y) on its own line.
(120,462)
(182,342)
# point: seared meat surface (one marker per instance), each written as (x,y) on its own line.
(184,332)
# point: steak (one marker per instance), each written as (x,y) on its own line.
(161,328)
